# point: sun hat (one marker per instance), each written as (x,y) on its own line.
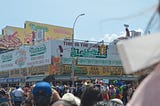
(42,87)
(117,101)
(71,98)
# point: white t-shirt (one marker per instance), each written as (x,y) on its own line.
(18,92)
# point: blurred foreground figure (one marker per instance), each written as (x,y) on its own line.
(143,53)
(147,94)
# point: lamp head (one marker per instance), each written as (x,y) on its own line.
(125,25)
(82,14)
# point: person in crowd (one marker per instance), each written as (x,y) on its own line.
(125,95)
(42,93)
(5,99)
(18,94)
(78,90)
(29,99)
(116,102)
(71,98)
(63,103)
(55,96)
(91,95)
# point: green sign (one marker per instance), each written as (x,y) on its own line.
(99,62)
(37,50)
(87,53)
(6,57)
(37,27)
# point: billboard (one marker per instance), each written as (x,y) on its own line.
(63,48)
(50,31)
(56,65)
(92,61)
(99,62)
(36,55)
(93,70)
(28,71)
(24,35)
(10,42)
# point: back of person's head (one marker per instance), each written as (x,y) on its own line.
(91,95)
(17,86)
(108,103)
(42,93)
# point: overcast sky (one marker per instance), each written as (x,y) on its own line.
(103,19)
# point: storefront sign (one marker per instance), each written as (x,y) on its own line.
(37,55)
(10,80)
(64,48)
(92,61)
(98,62)
(4,74)
(93,70)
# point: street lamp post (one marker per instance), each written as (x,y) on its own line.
(72,50)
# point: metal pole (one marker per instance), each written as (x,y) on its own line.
(72,50)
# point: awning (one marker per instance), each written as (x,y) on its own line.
(59,77)
(35,78)
(120,77)
(68,78)
(10,80)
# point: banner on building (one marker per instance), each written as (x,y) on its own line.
(37,55)
(50,31)
(16,34)
(93,70)
(63,48)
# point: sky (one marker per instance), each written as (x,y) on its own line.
(103,19)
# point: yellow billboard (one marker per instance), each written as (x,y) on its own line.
(24,35)
(94,70)
(50,31)
(28,71)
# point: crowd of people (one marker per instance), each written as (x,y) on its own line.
(85,93)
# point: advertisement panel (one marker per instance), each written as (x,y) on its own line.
(16,34)
(37,55)
(28,71)
(10,80)
(39,70)
(55,65)
(4,74)
(63,48)
(99,62)
(93,70)
(92,61)
(50,31)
